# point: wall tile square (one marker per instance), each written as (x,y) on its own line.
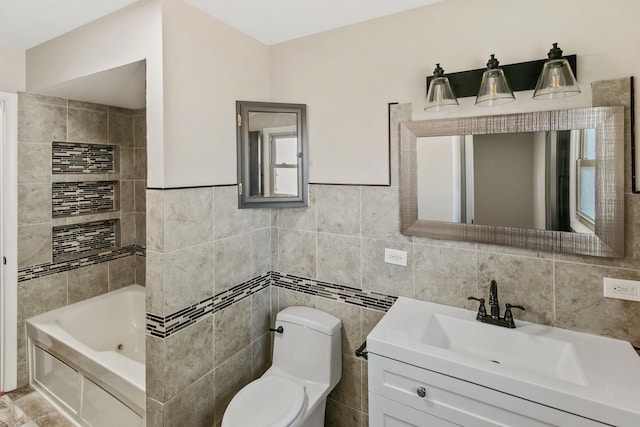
(230,377)
(232,261)
(188,277)
(188,218)
(34,244)
(34,163)
(87,125)
(41,122)
(297,252)
(34,204)
(229,220)
(122,272)
(260,251)
(194,406)
(299,218)
(339,209)
(40,295)
(340,259)
(232,330)
(379,276)
(381,213)
(120,128)
(87,282)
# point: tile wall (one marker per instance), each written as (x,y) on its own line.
(201,248)
(59,210)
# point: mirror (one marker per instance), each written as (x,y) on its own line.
(551,183)
(272,154)
(549,180)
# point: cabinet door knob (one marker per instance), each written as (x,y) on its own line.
(422,392)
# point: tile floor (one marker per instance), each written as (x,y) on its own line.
(26,407)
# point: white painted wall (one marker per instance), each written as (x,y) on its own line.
(12,69)
(208,66)
(128,35)
(347,76)
(438,183)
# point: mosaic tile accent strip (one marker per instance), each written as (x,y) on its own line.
(78,238)
(355,296)
(68,157)
(77,198)
(162,327)
(41,270)
(158,326)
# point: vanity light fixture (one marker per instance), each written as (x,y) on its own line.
(440,96)
(520,76)
(557,79)
(494,87)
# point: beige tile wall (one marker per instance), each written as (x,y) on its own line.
(41,120)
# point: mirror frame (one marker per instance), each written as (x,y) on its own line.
(608,240)
(243,109)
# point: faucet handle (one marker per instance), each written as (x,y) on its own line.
(482,311)
(508,316)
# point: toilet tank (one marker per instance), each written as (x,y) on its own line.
(310,346)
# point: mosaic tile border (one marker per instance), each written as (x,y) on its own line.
(41,270)
(76,239)
(77,198)
(81,158)
(160,327)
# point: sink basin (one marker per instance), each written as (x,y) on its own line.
(536,354)
(588,375)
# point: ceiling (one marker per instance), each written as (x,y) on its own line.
(267,21)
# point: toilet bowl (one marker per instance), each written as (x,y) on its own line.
(307,365)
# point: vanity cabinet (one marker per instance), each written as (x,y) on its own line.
(403,395)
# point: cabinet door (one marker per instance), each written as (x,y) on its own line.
(385,412)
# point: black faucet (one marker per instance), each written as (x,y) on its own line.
(494,318)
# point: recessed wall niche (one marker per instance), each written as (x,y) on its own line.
(69,157)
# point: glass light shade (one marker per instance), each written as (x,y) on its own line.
(556,80)
(440,95)
(494,88)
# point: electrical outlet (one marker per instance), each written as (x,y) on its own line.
(393,256)
(622,289)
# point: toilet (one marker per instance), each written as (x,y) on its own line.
(307,365)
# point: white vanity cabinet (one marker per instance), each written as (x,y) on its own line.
(403,395)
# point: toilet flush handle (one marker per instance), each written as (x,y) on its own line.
(279,330)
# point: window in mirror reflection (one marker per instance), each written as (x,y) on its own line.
(273,154)
(537,180)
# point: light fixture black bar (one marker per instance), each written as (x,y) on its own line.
(521,76)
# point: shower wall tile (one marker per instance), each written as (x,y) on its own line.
(122,272)
(140,164)
(140,131)
(188,218)
(120,127)
(297,252)
(127,163)
(339,259)
(88,282)
(39,122)
(34,245)
(127,196)
(232,330)
(87,125)
(34,163)
(40,295)
(155,220)
(229,220)
(139,193)
(338,209)
(260,219)
(34,204)
(141,228)
(141,270)
(232,261)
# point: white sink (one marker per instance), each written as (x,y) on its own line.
(536,354)
(584,374)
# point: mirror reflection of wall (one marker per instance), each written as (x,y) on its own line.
(535,180)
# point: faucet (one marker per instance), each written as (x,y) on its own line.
(494,318)
(493,300)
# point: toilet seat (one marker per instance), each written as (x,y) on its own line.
(266,402)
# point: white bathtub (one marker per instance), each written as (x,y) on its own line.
(89,357)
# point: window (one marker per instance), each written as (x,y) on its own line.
(586,178)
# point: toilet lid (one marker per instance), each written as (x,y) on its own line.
(267,402)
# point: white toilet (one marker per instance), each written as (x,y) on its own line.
(307,365)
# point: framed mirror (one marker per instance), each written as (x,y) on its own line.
(272,154)
(551,180)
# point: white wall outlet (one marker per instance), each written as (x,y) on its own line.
(622,289)
(394,256)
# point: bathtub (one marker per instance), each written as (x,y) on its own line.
(88,358)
